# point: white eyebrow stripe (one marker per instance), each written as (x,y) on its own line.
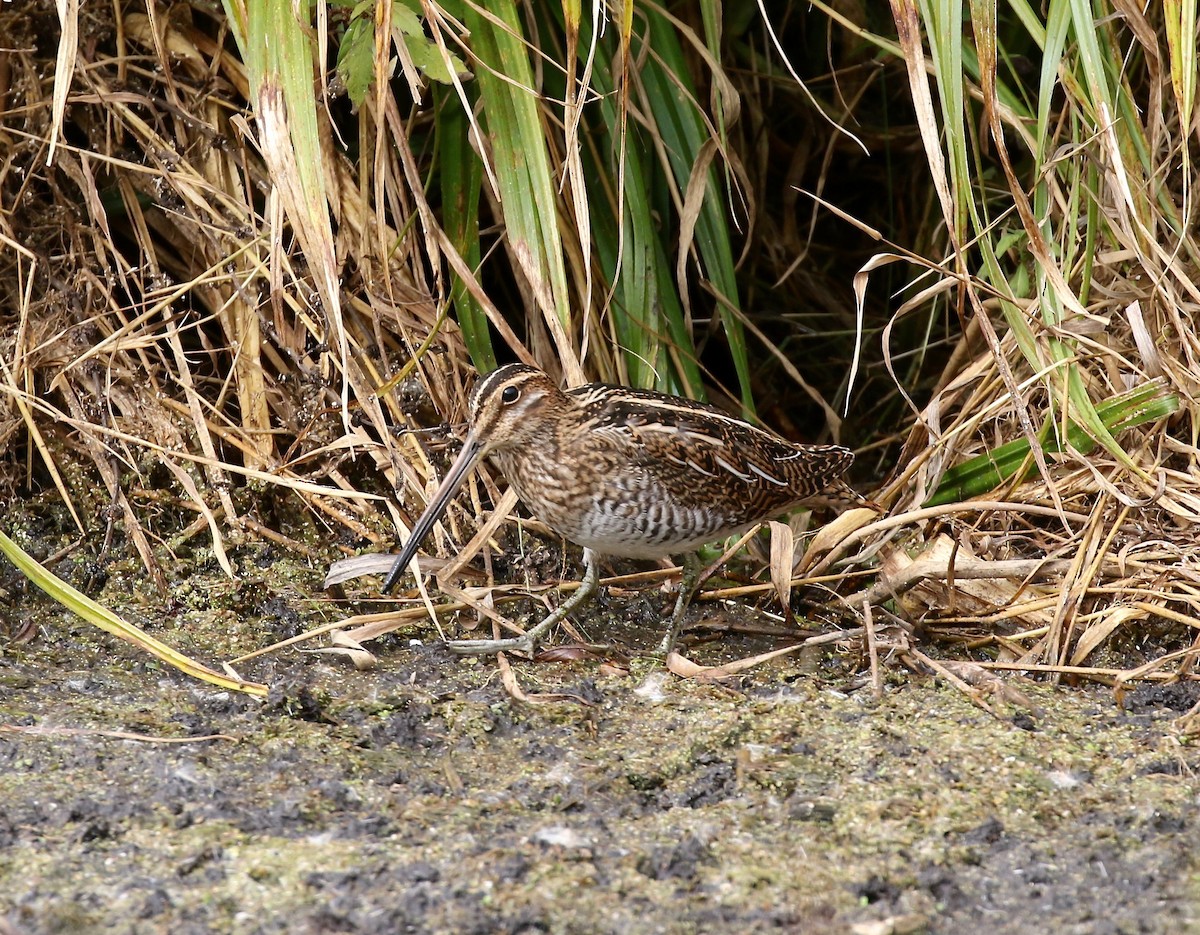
(767,477)
(732,470)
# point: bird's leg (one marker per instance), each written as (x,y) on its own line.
(688,583)
(527,641)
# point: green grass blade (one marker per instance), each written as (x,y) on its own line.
(276,45)
(461,178)
(99,616)
(976,476)
(646,314)
(521,163)
(672,103)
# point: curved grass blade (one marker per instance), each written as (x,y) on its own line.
(82,605)
(646,312)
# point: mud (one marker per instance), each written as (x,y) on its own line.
(420,797)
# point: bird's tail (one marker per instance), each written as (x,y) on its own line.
(839,495)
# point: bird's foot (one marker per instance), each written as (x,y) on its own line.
(692,569)
(527,642)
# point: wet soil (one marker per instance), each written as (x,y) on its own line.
(421,797)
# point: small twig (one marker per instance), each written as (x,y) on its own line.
(872,652)
(287,542)
(1141,673)
(937,569)
(36,731)
(916,656)
(509,679)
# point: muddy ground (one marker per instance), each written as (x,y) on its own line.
(420,797)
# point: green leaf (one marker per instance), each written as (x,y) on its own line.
(356,58)
(677,118)
(526,183)
(428,59)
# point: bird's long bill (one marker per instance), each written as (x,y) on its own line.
(437,506)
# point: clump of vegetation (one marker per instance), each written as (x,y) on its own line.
(970,239)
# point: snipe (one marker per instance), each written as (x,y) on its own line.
(628,473)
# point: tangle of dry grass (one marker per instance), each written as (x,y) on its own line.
(169,373)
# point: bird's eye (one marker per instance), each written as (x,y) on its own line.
(510,394)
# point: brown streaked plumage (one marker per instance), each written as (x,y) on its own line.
(628,473)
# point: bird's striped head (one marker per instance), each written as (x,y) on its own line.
(509,407)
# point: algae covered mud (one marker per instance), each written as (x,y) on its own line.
(420,797)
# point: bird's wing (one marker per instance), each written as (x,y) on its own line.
(703,456)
